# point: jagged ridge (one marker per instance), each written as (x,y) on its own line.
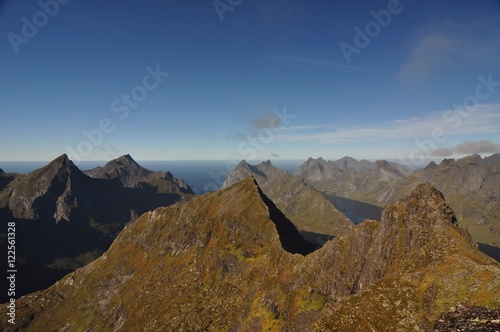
(221,256)
(308,209)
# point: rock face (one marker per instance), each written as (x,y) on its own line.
(470,319)
(6,178)
(471,185)
(67,219)
(307,208)
(224,261)
(131,175)
(347,177)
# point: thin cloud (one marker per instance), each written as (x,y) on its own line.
(442,152)
(320,63)
(484,119)
(431,52)
(468,147)
(269,120)
(451,45)
(482,146)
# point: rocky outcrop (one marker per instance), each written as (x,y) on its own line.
(348,177)
(34,195)
(307,208)
(470,319)
(124,169)
(471,185)
(416,263)
(226,257)
(263,173)
(130,174)
(67,219)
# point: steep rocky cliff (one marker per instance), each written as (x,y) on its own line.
(349,177)
(307,208)
(224,261)
(471,185)
(132,175)
(65,219)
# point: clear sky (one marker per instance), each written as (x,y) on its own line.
(253,79)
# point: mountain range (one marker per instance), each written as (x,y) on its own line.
(231,261)
(269,251)
(471,185)
(65,218)
(306,207)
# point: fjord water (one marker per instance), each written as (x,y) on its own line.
(355,210)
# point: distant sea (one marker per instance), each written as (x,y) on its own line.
(202,176)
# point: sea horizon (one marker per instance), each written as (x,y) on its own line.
(201,175)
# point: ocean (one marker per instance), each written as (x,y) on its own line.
(202,176)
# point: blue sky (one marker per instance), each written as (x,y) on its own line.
(284,79)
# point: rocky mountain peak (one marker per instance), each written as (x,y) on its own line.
(62,161)
(386,171)
(222,255)
(244,170)
(126,160)
(346,162)
(124,169)
(493,159)
(448,162)
(57,170)
(472,159)
(432,165)
(242,163)
(425,200)
(424,208)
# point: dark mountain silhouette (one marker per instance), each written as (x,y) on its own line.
(225,261)
(65,219)
(131,175)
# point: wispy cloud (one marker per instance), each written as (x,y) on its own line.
(451,45)
(468,147)
(432,51)
(484,119)
(482,146)
(330,64)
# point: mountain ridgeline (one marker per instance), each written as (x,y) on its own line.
(66,219)
(471,185)
(144,253)
(306,207)
(130,174)
(231,261)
